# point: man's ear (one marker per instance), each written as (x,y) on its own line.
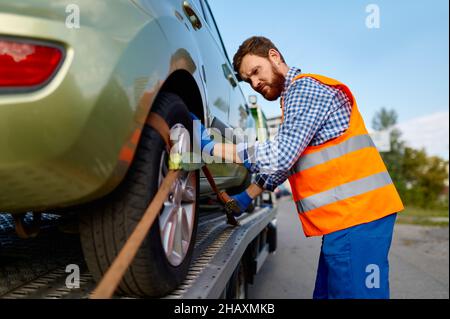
(274,56)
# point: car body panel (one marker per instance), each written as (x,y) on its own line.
(73,140)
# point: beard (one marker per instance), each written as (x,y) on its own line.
(276,86)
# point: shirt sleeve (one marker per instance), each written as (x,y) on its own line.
(307,105)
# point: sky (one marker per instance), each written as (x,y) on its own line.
(400,64)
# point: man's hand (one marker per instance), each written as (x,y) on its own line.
(205,138)
(226,151)
(244,159)
(243,200)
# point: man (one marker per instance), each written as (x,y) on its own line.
(339,182)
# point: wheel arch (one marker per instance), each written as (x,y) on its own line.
(183,84)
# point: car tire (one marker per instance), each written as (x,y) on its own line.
(237,287)
(110,221)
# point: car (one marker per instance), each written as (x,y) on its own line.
(78,80)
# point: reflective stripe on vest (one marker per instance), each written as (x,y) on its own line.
(344,191)
(353,144)
(342,182)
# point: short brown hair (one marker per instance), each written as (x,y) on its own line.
(255,45)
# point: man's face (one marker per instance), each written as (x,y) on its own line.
(263,75)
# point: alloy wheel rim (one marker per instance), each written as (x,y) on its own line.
(176,219)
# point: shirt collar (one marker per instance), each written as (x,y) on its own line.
(291,74)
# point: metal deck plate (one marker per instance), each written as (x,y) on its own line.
(36,268)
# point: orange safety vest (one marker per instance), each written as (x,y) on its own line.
(342,182)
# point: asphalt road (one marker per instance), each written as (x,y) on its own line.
(419,261)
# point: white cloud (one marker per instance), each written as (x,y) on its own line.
(430,132)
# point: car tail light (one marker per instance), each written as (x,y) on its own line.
(27,65)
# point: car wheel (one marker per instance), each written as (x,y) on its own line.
(164,257)
(237,287)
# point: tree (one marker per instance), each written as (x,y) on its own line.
(425,177)
(386,120)
(419,178)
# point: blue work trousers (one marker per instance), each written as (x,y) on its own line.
(353,262)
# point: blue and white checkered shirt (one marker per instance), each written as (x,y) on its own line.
(313,114)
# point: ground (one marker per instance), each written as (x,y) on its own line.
(419,261)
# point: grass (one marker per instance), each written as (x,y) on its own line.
(421,216)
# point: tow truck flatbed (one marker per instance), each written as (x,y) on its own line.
(219,250)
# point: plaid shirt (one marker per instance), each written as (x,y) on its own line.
(313,114)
